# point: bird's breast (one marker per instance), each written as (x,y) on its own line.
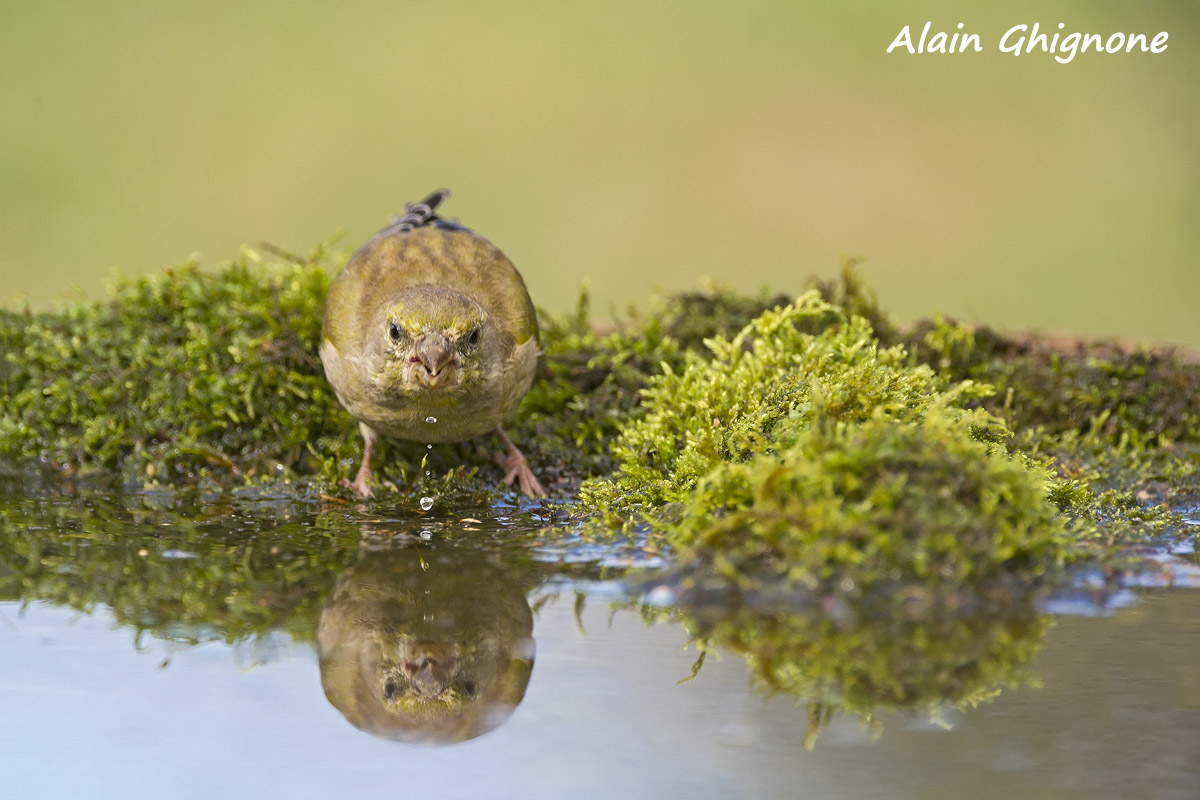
(433,415)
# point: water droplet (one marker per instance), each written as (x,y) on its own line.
(427,473)
(431,420)
(425,535)
(661,596)
(426,503)
(428,447)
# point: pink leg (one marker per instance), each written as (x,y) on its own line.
(361,485)
(516,468)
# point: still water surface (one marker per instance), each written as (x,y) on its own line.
(157,647)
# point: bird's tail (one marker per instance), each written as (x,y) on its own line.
(417,215)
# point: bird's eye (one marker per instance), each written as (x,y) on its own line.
(390,690)
(394,331)
(473,336)
(469,688)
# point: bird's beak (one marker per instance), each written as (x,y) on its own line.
(430,667)
(435,352)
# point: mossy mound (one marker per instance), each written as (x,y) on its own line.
(177,376)
(753,393)
(1118,425)
(876,500)
(1148,398)
(685,415)
(211,378)
(801,449)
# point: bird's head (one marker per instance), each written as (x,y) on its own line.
(433,337)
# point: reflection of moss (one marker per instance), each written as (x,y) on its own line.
(896,649)
(191,567)
(180,569)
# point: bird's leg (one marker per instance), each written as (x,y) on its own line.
(361,486)
(516,468)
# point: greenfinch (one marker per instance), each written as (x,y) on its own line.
(430,336)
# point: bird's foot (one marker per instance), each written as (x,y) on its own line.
(361,485)
(516,469)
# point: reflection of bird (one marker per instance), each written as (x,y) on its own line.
(431,336)
(434,648)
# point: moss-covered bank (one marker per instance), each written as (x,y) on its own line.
(869,514)
(754,434)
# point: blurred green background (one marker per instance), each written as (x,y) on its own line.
(642,145)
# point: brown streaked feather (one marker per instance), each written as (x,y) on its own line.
(427,256)
(439,277)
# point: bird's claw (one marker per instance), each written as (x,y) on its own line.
(361,485)
(516,468)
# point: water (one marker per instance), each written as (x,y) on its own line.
(426,503)
(130,671)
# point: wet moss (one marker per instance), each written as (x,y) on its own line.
(212,378)
(871,502)
(803,451)
(754,393)
(681,414)
(177,377)
(877,505)
(1119,426)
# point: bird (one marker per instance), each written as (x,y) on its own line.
(430,335)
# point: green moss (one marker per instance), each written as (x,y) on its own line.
(1119,426)
(177,376)
(589,385)
(803,451)
(876,501)
(212,378)
(756,392)
(791,457)
(684,413)
(1146,397)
